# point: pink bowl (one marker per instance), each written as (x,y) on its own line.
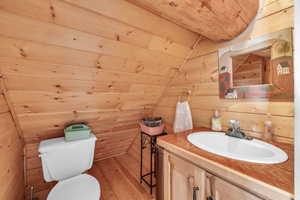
(152,130)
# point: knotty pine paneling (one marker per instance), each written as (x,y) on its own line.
(85,61)
(71,38)
(200,75)
(128,13)
(11,156)
(216,20)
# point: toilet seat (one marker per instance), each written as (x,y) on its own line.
(79,187)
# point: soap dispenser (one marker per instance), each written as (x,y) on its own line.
(216,124)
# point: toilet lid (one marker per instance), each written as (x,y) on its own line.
(79,187)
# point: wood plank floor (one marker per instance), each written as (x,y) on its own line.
(119,179)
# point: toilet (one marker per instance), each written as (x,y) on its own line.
(66,163)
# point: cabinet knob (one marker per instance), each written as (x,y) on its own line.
(195,189)
(210,198)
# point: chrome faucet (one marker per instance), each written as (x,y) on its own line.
(235,130)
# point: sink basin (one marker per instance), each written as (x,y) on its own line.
(255,151)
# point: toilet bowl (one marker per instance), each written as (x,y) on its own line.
(66,163)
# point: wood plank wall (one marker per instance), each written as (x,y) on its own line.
(11,155)
(200,75)
(102,62)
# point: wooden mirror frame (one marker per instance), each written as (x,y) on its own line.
(282,87)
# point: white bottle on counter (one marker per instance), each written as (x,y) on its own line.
(216,124)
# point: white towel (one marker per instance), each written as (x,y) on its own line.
(183,117)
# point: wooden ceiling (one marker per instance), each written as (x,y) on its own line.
(215,20)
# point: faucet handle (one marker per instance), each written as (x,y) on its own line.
(235,124)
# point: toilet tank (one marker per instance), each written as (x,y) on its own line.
(62,160)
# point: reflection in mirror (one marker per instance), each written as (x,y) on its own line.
(252,69)
(258,69)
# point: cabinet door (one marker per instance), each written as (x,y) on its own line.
(182,180)
(218,189)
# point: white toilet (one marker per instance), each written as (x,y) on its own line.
(66,163)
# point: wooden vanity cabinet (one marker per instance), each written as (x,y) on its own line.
(182,180)
(219,189)
(185,181)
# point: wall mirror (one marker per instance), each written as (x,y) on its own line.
(261,68)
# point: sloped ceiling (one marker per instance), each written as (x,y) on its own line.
(213,19)
(66,61)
